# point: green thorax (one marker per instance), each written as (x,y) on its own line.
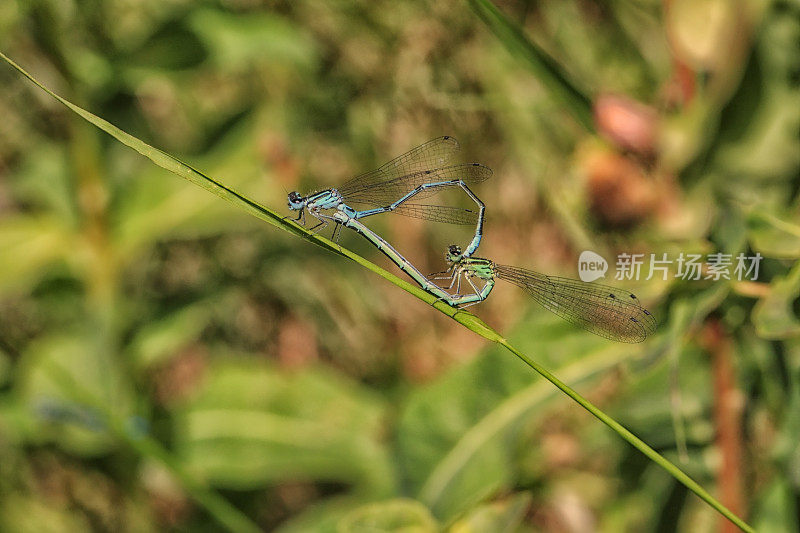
(482,268)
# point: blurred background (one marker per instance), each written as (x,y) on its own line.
(168,362)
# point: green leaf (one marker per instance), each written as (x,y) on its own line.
(773,315)
(323,516)
(774,235)
(162,338)
(759,126)
(393,516)
(43,179)
(777,508)
(239,40)
(31,245)
(252,424)
(18,513)
(505,516)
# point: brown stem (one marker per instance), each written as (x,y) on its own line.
(728,407)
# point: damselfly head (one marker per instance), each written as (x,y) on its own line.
(453,254)
(296,202)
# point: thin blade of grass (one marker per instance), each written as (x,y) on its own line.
(465,318)
(544,68)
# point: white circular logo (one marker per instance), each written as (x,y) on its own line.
(591,266)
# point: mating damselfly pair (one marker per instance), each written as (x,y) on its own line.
(399,185)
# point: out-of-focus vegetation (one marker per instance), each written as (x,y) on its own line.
(314,398)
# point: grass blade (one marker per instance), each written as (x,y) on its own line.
(544,68)
(469,320)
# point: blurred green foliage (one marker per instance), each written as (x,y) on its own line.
(313,398)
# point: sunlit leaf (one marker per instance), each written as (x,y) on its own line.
(773,315)
(777,508)
(20,513)
(774,235)
(160,339)
(252,424)
(31,246)
(239,40)
(394,516)
(504,516)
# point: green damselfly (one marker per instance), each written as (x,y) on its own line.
(606,311)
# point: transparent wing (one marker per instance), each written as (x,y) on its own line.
(435,153)
(381,194)
(611,313)
(439,213)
